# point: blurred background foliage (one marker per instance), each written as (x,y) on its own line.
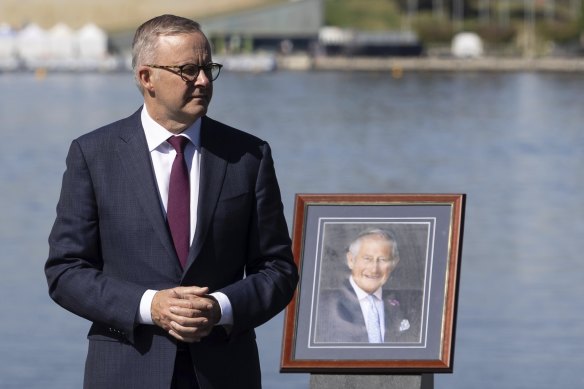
(500,23)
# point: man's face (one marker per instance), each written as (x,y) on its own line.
(372,264)
(176,103)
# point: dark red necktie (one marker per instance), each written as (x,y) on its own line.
(179,200)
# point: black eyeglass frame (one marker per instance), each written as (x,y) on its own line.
(207,68)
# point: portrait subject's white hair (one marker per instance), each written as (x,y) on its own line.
(385,235)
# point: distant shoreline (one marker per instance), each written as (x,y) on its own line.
(266,62)
(431,64)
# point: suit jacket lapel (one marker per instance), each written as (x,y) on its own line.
(135,159)
(393,317)
(350,304)
(212,175)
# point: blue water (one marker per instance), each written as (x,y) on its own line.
(513,142)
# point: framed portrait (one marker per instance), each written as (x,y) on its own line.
(378,283)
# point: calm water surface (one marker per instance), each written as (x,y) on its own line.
(513,142)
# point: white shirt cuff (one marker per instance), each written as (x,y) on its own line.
(144,315)
(226,311)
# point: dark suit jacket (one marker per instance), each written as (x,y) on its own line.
(110,243)
(340,318)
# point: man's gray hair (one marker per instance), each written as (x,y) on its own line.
(146,37)
(355,244)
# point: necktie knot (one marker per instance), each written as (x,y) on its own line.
(179,143)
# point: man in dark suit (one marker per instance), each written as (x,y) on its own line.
(170,236)
(361,311)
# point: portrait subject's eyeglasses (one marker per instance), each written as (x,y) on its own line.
(190,71)
(383,261)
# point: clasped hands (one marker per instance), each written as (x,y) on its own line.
(187,313)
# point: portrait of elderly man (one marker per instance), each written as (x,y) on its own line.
(362,309)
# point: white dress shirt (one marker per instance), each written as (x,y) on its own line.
(362,297)
(162,155)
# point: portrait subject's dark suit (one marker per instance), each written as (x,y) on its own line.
(340,318)
(110,243)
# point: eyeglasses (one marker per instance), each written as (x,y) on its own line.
(381,261)
(190,71)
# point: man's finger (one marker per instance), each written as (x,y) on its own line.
(185,339)
(189,312)
(190,332)
(189,322)
(185,291)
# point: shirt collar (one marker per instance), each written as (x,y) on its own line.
(361,294)
(156,135)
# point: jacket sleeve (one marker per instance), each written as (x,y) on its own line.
(270,274)
(74,265)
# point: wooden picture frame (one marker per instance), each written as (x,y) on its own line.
(324,326)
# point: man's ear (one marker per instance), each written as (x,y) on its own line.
(145,78)
(350,260)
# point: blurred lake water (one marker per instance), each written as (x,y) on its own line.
(514,142)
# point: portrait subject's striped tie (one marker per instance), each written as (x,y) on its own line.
(372,321)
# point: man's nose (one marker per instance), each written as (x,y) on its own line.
(202,79)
